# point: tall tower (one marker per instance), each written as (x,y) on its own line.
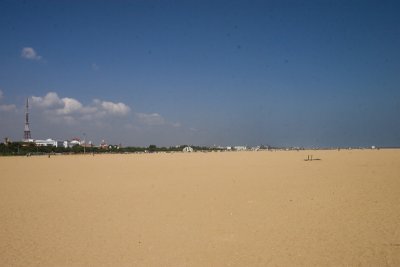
(27,132)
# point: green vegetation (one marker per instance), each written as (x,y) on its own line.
(21,148)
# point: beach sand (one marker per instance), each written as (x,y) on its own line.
(202,209)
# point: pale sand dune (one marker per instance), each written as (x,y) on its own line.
(202,209)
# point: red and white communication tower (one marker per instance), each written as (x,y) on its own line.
(27,131)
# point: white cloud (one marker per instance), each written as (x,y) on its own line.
(51,99)
(115,108)
(53,113)
(30,53)
(70,105)
(10,107)
(151,119)
(71,110)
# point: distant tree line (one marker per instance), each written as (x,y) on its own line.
(21,148)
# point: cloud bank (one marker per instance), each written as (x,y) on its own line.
(71,110)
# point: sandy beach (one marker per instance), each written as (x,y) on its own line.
(202,209)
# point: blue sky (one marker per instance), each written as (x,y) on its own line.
(285,73)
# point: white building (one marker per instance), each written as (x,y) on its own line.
(240,148)
(188,149)
(47,142)
(51,142)
(74,142)
(66,144)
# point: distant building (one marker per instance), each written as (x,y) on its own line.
(65,144)
(187,149)
(60,144)
(74,142)
(103,145)
(240,148)
(49,142)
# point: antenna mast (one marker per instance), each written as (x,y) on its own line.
(27,131)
